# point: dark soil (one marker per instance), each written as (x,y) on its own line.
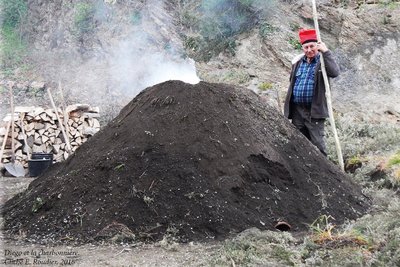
(194,161)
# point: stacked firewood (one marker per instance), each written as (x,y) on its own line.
(37,130)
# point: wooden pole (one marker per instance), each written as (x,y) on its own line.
(59,121)
(12,123)
(328,91)
(4,141)
(66,117)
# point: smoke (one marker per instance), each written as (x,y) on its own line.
(135,65)
(152,52)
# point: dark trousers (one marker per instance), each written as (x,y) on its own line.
(313,129)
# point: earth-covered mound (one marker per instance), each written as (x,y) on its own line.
(201,161)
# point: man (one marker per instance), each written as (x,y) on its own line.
(305,100)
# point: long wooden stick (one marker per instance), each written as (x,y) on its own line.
(12,124)
(328,92)
(59,121)
(5,140)
(64,109)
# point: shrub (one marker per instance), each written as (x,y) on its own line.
(394,160)
(217,23)
(12,47)
(265,86)
(266,29)
(83,18)
(13,12)
(295,43)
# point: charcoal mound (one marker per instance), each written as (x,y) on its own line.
(202,161)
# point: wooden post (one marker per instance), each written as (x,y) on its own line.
(328,91)
(4,141)
(65,114)
(12,124)
(59,121)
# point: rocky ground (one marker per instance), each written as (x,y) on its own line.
(364,39)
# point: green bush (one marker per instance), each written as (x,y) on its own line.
(12,12)
(217,23)
(295,43)
(266,29)
(264,86)
(83,18)
(394,160)
(12,47)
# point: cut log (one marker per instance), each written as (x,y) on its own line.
(27,150)
(51,131)
(58,141)
(37,112)
(58,157)
(78,140)
(56,149)
(39,126)
(22,109)
(38,148)
(77,134)
(72,131)
(57,133)
(18,145)
(38,142)
(77,107)
(96,123)
(48,149)
(20,137)
(29,127)
(8,118)
(7,153)
(28,117)
(90,131)
(2,131)
(30,140)
(45,139)
(50,113)
(45,117)
(19,154)
(94,110)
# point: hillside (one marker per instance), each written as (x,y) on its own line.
(105,52)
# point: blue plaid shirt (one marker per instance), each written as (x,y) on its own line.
(304,85)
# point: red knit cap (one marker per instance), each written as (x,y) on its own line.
(307,35)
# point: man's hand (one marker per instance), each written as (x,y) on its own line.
(321,46)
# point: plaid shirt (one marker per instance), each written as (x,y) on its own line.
(304,85)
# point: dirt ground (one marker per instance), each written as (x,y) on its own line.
(192,254)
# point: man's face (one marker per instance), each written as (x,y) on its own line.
(310,49)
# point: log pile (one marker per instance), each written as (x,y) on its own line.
(37,130)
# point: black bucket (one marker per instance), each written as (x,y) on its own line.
(42,156)
(39,163)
